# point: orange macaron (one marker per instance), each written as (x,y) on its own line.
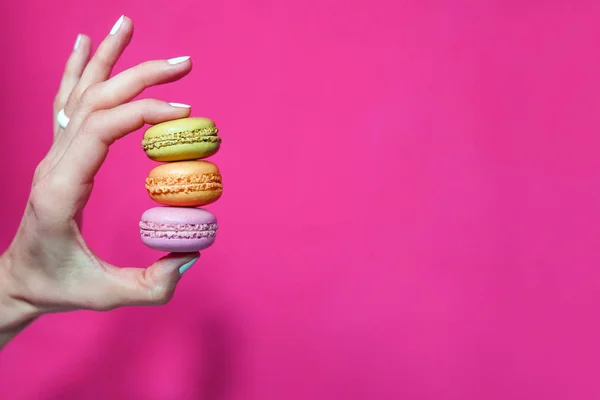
(185,183)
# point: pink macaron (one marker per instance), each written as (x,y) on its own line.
(178,229)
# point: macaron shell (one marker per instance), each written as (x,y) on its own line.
(182,139)
(185,183)
(179,125)
(178,245)
(176,216)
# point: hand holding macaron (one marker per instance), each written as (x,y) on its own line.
(48,267)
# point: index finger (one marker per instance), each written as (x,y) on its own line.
(126,86)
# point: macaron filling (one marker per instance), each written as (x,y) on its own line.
(177,231)
(185,183)
(207,134)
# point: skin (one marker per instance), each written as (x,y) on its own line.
(48,267)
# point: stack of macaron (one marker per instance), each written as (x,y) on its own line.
(182,183)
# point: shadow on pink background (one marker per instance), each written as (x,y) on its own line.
(410,206)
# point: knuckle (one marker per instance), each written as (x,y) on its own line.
(91,125)
(44,207)
(40,170)
(51,188)
(72,66)
(94,128)
(103,61)
(37,200)
(75,95)
(147,105)
(161,295)
(144,66)
(90,96)
(70,71)
(144,72)
(105,57)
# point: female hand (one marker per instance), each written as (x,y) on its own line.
(48,267)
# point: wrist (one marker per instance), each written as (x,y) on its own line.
(15,311)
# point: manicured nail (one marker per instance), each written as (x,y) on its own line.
(180,105)
(117,25)
(77,42)
(178,60)
(187,266)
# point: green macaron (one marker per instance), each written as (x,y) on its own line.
(182,139)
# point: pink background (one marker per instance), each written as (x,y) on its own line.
(411,206)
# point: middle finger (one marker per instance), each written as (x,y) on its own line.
(102,63)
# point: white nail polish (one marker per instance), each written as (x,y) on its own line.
(77,42)
(178,60)
(117,25)
(180,105)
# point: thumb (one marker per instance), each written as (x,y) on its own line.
(154,285)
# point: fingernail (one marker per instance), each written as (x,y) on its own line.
(187,266)
(180,105)
(117,25)
(77,42)
(178,60)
